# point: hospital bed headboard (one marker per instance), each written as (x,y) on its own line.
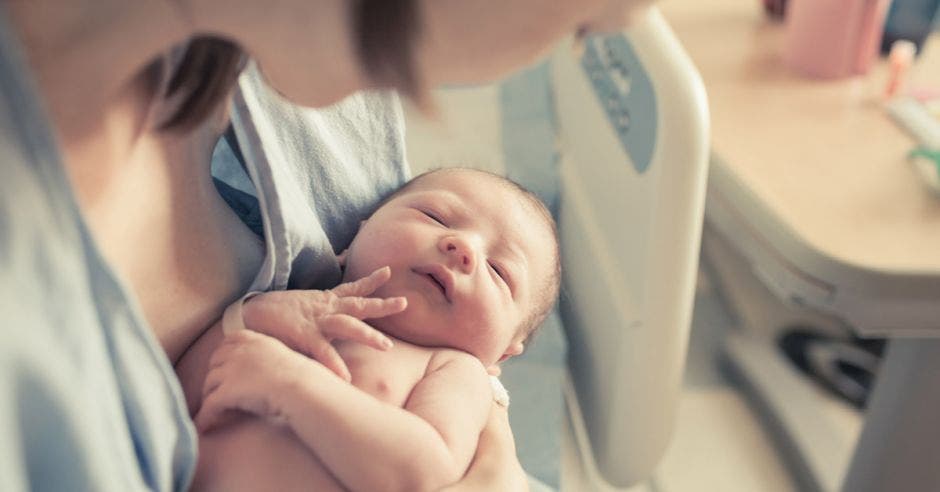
(630,218)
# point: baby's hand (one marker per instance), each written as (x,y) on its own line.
(249,372)
(309,320)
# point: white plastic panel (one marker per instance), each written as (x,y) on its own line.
(630,244)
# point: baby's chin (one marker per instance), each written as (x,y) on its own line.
(406,327)
(402,327)
(396,325)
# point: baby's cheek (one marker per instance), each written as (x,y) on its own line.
(360,262)
(486,324)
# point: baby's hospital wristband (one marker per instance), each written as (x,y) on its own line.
(232,319)
(500,395)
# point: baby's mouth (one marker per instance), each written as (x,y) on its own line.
(436,279)
(439,284)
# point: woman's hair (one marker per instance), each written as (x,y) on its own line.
(386,32)
(202,79)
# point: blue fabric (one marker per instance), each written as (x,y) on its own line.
(88,400)
(245,205)
(316,173)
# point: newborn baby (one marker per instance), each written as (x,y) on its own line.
(463,266)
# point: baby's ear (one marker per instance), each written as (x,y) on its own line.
(341,258)
(515,349)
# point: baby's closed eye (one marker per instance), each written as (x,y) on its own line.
(435,216)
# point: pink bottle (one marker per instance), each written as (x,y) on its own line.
(833,38)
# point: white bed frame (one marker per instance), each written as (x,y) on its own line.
(630,243)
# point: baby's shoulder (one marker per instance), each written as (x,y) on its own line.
(455,358)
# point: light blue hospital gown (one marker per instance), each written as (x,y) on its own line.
(88,401)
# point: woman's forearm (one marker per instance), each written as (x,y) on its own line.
(495,465)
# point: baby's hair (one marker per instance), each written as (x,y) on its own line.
(549,293)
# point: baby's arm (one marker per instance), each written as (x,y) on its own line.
(370,445)
(366,444)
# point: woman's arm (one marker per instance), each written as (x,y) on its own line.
(495,466)
(367,444)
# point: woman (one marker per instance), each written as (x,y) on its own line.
(89,400)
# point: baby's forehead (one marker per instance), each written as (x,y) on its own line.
(475,189)
(491,198)
(454,179)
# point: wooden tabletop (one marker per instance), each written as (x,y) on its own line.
(822,155)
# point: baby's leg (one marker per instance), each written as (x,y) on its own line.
(252,455)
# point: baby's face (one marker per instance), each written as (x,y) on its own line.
(469,253)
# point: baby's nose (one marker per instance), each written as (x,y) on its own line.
(460,252)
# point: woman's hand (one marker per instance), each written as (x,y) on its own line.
(253,373)
(309,320)
(495,465)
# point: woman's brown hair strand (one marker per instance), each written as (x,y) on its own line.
(206,74)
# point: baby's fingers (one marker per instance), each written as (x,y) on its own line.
(217,402)
(365,285)
(323,352)
(370,307)
(209,413)
(345,327)
(214,379)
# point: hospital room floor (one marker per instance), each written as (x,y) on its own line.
(719,444)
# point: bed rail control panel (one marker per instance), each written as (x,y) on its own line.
(623,88)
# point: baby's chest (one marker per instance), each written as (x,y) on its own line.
(390,375)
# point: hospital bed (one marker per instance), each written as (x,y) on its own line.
(615,140)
